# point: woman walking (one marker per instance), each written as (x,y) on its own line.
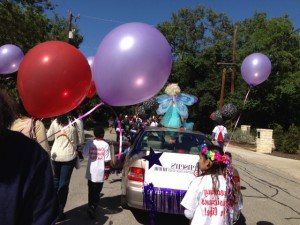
(63,156)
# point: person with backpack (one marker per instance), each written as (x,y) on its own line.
(32,128)
(63,157)
(219,135)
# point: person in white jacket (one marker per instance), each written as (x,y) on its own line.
(63,156)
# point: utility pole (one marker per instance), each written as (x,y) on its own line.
(222,89)
(71,31)
(233,70)
(233,63)
(223,82)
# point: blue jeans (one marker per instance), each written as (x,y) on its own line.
(62,177)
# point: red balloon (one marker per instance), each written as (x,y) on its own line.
(53,79)
(92,90)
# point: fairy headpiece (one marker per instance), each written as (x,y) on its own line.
(214,155)
(172,89)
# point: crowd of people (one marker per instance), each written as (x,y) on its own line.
(130,125)
(35,188)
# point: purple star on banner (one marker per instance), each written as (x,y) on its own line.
(153,158)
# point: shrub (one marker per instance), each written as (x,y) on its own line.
(291,141)
(242,137)
(279,137)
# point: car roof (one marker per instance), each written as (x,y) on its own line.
(181,130)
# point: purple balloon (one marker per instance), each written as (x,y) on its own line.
(10,58)
(90,60)
(132,63)
(256,68)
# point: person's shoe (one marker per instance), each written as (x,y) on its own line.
(91,212)
(61,217)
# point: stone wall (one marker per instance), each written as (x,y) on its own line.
(245,128)
(264,140)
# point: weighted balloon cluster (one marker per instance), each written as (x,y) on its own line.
(151,104)
(140,110)
(216,117)
(228,112)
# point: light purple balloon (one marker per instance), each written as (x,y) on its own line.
(256,68)
(132,63)
(10,58)
(90,60)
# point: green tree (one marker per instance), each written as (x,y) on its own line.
(275,100)
(278,136)
(19,22)
(25,24)
(200,38)
(292,141)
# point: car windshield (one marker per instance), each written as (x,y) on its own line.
(171,141)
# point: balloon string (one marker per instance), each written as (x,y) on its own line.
(88,113)
(120,140)
(238,119)
(84,115)
(120,128)
(27,124)
(80,117)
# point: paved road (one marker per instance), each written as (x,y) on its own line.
(110,211)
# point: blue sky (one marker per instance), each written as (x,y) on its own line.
(99,17)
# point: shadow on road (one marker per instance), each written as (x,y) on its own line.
(111,204)
(79,216)
(143,217)
(107,206)
(264,223)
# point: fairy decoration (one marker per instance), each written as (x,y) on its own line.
(173,105)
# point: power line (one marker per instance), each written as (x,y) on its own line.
(105,20)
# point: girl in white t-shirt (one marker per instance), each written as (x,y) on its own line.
(209,199)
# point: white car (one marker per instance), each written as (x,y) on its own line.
(159,167)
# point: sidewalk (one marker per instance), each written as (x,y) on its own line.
(290,167)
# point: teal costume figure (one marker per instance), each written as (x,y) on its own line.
(173,106)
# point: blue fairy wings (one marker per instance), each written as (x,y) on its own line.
(164,101)
(187,99)
(181,101)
